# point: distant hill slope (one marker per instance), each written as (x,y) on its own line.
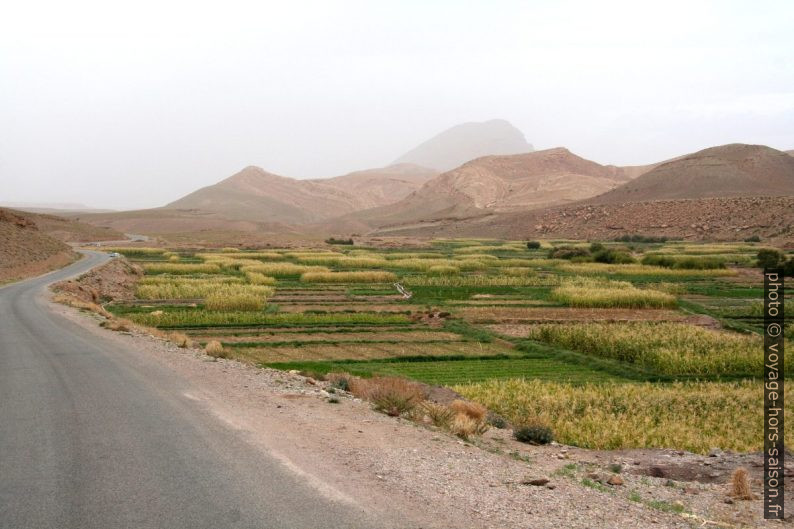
(72,230)
(495,184)
(25,250)
(465,142)
(728,192)
(726,171)
(256,195)
(728,219)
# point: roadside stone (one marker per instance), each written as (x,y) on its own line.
(615,480)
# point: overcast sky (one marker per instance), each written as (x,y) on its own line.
(133,104)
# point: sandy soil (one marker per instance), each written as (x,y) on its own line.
(351,452)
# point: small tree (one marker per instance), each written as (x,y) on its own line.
(533,245)
(770,258)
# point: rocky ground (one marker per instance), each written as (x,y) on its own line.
(708,219)
(25,250)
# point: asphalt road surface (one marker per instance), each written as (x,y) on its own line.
(88,440)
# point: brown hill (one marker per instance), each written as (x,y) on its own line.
(734,218)
(724,171)
(467,141)
(25,250)
(256,195)
(495,184)
(72,230)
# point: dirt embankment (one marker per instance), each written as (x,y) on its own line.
(26,251)
(112,281)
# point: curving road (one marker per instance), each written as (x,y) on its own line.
(89,440)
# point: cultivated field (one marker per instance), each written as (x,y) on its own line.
(613,345)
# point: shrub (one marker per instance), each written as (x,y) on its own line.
(770,258)
(465,427)
(116,324)
(536,434)
(332,240)
(439,415)
(497,421)
(215,349)
(641,238)
(340,381)
(740,485)
(612,256)
(568,252)
(472,410)
(393,396)
(173,259)
(180,339)
(683,262)
(533,245)
(788,268)
(753,238)
(596,247)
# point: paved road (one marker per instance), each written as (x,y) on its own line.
(88,440)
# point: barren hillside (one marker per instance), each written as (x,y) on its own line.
(72,229)
(465,142)
(721,219)
(256,195)
(25,250)
(726,171)
(496,184)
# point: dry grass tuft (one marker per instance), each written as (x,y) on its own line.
(181,340)
(215,349)
(471,410)
(740,485)
(393,396)
(438,414)
(465,427)
(117,324)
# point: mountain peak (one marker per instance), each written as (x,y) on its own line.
(467,141)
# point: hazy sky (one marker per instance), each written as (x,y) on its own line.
(133,104)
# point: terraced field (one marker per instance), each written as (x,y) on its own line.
(475,314)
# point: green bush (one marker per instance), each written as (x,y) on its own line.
(770,258)
(339,241)
(641,238)
(684,262)
(597,247)
(612,257)
(536,434)
(533,245)
(753,238)
(568,252)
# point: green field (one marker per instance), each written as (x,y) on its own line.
(694,311)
